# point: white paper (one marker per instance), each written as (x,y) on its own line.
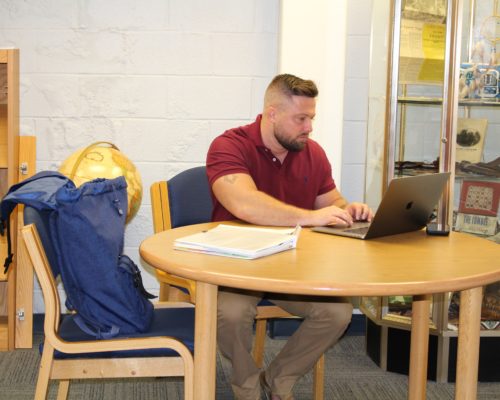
(239,241)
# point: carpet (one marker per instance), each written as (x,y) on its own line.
(349,375)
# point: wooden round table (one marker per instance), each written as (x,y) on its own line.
(327,265)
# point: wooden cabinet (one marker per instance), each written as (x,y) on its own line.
(9,170)
(426,85)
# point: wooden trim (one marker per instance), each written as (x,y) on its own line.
(23,324)
(138,367)
(12,135)
(4,160)
(13,114)
(24,276)
(160,207)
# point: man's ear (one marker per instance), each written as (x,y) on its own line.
(271,113)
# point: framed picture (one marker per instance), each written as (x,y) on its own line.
(471,133)
(480,198)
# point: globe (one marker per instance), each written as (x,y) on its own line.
(104,160)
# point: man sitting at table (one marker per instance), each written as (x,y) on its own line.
(271,173)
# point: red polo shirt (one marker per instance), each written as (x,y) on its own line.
(302,177)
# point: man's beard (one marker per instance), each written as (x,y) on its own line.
(289,144)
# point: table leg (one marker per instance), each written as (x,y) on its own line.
(205,341)
(419,347)
(468,343)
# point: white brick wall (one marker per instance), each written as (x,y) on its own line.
(159,78)
(356,99)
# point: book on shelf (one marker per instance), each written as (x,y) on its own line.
(471,133)
(478,224)
(240,241)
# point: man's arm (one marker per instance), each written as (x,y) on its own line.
(240,196)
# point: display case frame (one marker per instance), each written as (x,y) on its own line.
(395,106)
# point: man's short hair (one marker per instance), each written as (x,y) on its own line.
(290,85)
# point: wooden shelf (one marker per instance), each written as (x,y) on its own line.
(439,101)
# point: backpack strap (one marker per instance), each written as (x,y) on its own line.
(10,255)
(97,333)
(126,263)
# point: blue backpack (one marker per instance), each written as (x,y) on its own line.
(86,227)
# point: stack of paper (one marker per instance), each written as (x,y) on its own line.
(240,241)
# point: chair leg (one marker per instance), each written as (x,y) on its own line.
(164,289)
(260,337)
(62,393)
(319,378)
(189,383)
(42,383)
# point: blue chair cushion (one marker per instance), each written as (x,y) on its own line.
(173,322)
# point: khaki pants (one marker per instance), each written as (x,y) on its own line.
(325,320)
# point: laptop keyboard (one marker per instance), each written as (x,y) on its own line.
(359,231)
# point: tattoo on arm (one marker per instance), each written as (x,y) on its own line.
(230,178)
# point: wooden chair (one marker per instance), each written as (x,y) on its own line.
(68,353)
(185,200)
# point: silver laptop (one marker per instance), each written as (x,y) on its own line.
(406,206)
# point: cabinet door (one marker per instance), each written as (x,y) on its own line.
(408,125)
(434,105)
(477,183)
(477,173)
(9,156)
(9,127)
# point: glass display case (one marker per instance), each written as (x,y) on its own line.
(434,106)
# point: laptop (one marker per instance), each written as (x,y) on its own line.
(406,206)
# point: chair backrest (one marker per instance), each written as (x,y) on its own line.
(183,200)
(45,277)
(41,220)
(189,198)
